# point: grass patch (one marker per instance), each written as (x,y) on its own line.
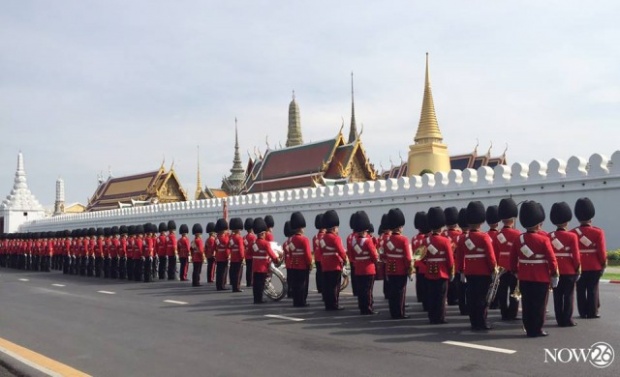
(611,276)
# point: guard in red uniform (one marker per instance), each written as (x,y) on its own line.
(349,246)
(270,224)
(300,262)
(172,250)
(114,252)
(476,261)
(316,249)
(237,253)
(183,247)
(161,248)
(249,239)
(533,261)
(131,246)
(288,233)
(420,222)
(66,252)
(453,232)
(138,253)
(89,247)
(334,257)
(210,251)
(222,254)
(148,251)
(123,252)
(492,218)
(384,236)
(565,245)
(461,283)
(593,254)
(399,263)
(262,255)
(98,252)
(198,254)
(439,261)
(506,237)
(107,261)
(364,256)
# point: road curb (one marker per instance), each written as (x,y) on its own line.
(18,368)
(610,281)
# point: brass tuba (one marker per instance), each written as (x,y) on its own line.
(276,285)
(492,292)
(517,292)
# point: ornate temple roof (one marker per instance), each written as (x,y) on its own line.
(294,137)
(233,184)
(155,186)
(20,198)
(428,128)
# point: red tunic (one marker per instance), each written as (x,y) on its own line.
(592,247)
(198,250)
(503,246)
(210,247)
(171,245)
(183,246)
(222,251)
(332,252)
(287,252)
(476,255)
(247,242)
(162,245)
(566,249)
(417,245)
(115,244)
(137,247)
(364,255)
(149,247)
(532,257)
(439,258)
(316,246)
(237,249)
(300,252)
(397,255)
(349,244)
(122,251)
(262,255)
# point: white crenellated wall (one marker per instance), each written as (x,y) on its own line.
(557,180)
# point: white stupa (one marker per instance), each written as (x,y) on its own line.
(20,205)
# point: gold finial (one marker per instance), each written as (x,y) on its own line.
(428,128)
(198,180)
(490,147)
(475,153)
(341,126)
(505,150)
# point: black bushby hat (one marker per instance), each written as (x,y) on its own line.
(452,215)
(383,224)
(560,213)
(463,224)
(420,220)
(396,218)
(288,231)
(507,209)
(492,216)
(436,218)
(221,225)
(298,220)
(172,225)
(211,227)
(67,232)
(269,221)
(236,223)
(362,222)
(330,219)
(584,209)
(531,214)
(91,232)
(114,230)
(183,229)
(197,229)
(100,232)
(106,232)
(139,229)
(352,220)
(248,224)
(259,225)
(371,228)
(318,221)
(475,212)
(163,227)
(123,229)
(131,230)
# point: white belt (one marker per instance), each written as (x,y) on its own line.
(436,260)
(328,254)
(298,253)
(362,258)
(475,256)
(259,257)
(505,253)
(329,248)
(587,251)
(395,255)
(563,255)
(532,261)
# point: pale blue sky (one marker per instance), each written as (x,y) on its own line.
(89,84)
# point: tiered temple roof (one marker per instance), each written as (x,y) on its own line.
(20,198)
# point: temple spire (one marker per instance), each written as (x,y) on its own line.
(198,180)
(234,182)
(20,197)
(294,137)
(428,128)
(353,130)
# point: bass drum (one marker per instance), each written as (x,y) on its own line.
(344,280)
(276,285)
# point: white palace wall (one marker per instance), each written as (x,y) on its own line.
(597,178)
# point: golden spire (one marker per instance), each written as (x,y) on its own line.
(428,128)
(198,180)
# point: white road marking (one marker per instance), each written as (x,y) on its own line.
(58,285)
(107,292)
(480,347)
(176,302)
(22,279)
(284,317)
(398,320)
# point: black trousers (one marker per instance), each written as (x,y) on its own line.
(196,273)
(564,300)
(155,268)
(354,280)
(211,269)
(98,266)
(365,301)
(236,271)
(90,266)
(331,289)
(114,261)
(130,268)
(421,289)
(534,300)
(66,264)
(453,294)
(461,289)
(138,265)
(220,276)
(436,300)
(183,268)
(122,268)
(587,293)
(258,286)
(248,273)
(508,305)
(163,266)
(477,288)
(298,283)
(148,269)
(396,295)
(83,263)
(172,267)
(318,277)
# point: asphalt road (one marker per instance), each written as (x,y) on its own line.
(114,328)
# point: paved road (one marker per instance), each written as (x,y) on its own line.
(112,328)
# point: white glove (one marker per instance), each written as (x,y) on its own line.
(578,277)
(463,278)
(554,281)
(451,278)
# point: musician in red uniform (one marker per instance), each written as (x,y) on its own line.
(334,257)
(565,246)
(138,253)
(262,255)
(506,237)
(148,251)
(288,233)
(122,252)
(461,283)
(237,253)
(198,254)
(222,254)
(593,254)
(99,245)
(452,232)
(399,263)
(184,247)
(114,252)
(249,238)
(106,252)
(161,245)
(349,248)
(476,261)
(89,250)
(420,222)
(65,244)
(533,261)
(439,261)
(172,250)
(492,219)
(316,249)
(364,256)
(300,262)
(210,251)
(270,224)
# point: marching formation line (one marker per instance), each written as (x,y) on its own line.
(277,316)
(107,292)
(176,302)
(480,347)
